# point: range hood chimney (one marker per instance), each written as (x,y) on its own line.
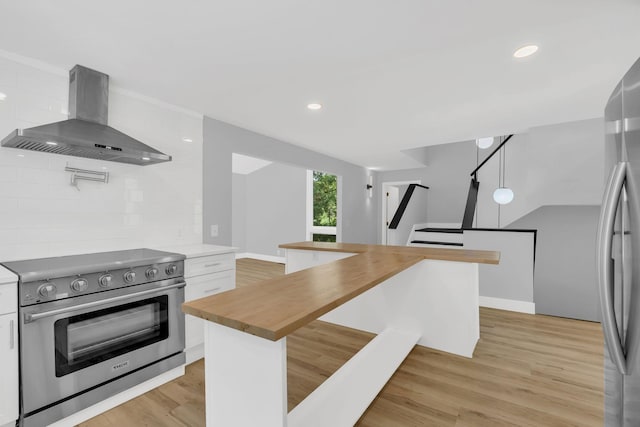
(86,133)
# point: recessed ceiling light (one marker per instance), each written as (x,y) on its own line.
(525,51)
(146,159)
(187,139)
(20,155)
(51,143)
(314,106)
(3,96)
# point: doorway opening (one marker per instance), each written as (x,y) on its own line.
(390,201)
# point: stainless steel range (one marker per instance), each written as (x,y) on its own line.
(94,325)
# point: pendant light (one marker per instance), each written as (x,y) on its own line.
(502,195)
(484,142)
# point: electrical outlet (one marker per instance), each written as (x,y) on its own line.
(214,230)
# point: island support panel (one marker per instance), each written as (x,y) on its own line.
(245,379)
(433,303)
(438,300)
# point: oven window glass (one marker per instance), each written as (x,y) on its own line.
(90,338)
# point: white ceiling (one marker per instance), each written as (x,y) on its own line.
(392,75)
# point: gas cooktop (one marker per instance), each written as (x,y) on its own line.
(43,268)
(48,279)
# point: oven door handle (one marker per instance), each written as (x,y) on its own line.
(28,317)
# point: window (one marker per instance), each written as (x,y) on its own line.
(324,237)
(322,206)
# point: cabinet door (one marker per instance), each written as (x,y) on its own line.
(9,371)
(199,287)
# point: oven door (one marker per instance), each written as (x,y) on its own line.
(72,345)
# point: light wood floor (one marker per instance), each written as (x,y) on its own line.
(526,371)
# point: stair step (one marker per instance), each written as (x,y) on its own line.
(442,230)
(434,236)
(429,242)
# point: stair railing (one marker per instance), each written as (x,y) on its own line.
(472,195)
(403,205)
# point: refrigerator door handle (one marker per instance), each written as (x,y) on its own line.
(604,264)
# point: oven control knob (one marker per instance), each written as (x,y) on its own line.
(129,276)
(47,290)
(151,273)
(80,284)
(172,269)
(105,280)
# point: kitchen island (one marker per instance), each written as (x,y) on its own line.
(407,296)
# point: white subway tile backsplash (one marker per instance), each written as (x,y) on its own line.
(8,174)
(23,159)
(135,196)
(8,205)
(43,215)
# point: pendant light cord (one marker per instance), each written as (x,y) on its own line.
(500,178)
(475,178)
(504,164)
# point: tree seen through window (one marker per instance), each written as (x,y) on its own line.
(325,204)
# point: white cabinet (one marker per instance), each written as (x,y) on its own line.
(8,352)
(205,276)
(9,371)
(199,287)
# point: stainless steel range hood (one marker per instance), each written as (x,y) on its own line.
(86,133)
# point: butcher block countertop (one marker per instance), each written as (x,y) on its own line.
(275,308)
(481,257)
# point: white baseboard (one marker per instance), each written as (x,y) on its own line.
(270,258)
(119,399)
(194,353)
(508,304)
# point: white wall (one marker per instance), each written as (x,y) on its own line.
(560,164)
(275,208)
(42,215)
(222,139)
(565,281)
(239,212)
(446,175)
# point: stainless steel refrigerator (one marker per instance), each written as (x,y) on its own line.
(618,254)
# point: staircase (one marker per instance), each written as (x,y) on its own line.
(432,236)
(411,210)
(429,235)
(447,235)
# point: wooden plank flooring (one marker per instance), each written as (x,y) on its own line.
(526,371)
